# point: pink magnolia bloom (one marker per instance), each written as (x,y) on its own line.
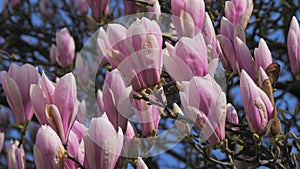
(99,7)
(262,56)
(184,60)
(233,50)
(16,85)
(55,105)
(148,116)
(188,16)
(205,104)
(15,156)
(225,45)
(112,44)
(2,138)
(103,144)
(48,150)
(144,64)
(293,45)
(65,46)
(82,6)
(116,99)
(136,52)
(257,105)
(239,11)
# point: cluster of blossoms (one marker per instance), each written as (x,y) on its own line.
(134,86)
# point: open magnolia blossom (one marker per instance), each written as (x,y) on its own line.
(205,104)
(16,84)
(102,143)
(117,102)
(136,51)
(55,104)
(188,16)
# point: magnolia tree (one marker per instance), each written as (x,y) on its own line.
(96,84)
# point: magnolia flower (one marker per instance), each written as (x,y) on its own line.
(48,150)
(99,7)
(116,99)
(65,46)
(293,45)
(188,16)
(225,45)
(262,56)
(184,60)
(16,84)
(239,11)
(55,105)
(102,143)
(15,156)
(148,116)
(205,104)
(136,52)
(233,50)
(257,105)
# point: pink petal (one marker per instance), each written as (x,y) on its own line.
(14,97)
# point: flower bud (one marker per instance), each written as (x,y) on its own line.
(15,156)
(65,46)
